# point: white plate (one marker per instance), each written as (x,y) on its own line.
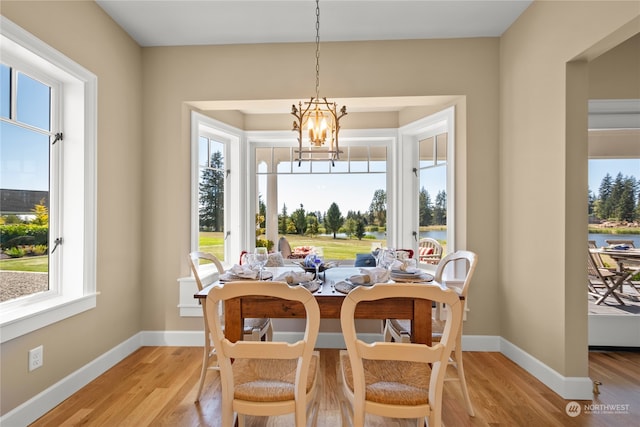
(414,278)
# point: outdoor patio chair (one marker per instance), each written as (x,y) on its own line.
(603,282)
(429,250)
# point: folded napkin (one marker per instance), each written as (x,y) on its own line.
(370,276)
(244,272)
(403,266)
(294,277)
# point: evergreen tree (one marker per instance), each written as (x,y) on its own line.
(602,206)
(299,219)
(42,214)
(440,209)
(378,208)
(212,195)
(333,220)
(425,214)
(360,231)
(282,220)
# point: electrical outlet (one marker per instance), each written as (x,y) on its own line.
(35,358)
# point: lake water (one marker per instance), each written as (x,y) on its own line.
(438,235)
(600,238)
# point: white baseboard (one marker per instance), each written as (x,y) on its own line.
(48,399)
(571,388)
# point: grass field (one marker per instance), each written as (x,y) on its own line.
(333,248)
(337,249)
(38,264)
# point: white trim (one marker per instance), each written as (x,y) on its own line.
(73,279)
(614,114)
(442,121)
(48,399)
(574,388)
(231,138)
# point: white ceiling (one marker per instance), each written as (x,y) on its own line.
(201,22)
(185,22)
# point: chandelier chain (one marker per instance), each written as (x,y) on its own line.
(317,49)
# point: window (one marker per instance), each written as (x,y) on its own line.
(26,153)
(430,145)
(211,196)
(294,200)
(47,119)
(212,143)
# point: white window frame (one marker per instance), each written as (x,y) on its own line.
(410,136)
(72,280)
(231,138)
(348,137)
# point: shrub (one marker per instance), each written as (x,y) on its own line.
(12,235)
(39,249)
(264,243)
(15,252)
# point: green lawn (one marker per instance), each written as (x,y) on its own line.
(34,263)
(333,248)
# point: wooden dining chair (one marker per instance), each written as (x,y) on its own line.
(254,329)
(400,330)
(395,379)
(266,378)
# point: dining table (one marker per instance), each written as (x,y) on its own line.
(330,302)
(620,256)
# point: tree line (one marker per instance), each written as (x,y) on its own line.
(355,223)
(211,210)
(617,200)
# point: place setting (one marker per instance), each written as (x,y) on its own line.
(366,277)
(252,270)
(407,271)
(305,279)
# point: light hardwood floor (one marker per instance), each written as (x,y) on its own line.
(155,386)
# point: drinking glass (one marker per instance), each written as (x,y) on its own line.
(261,257)
(386,256)
(317,260)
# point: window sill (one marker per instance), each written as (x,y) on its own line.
(21,321)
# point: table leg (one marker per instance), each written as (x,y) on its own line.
(233,320)
(421,325)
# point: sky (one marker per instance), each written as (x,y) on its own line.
(351,192)
(317,192)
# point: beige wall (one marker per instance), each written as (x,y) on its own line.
(83,32)
(143,200)
(543,156)
(175,75)
(614,74)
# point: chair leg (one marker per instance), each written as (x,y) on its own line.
(463,381)
(611,290)
(205,365)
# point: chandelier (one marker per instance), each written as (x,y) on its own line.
(317,120)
